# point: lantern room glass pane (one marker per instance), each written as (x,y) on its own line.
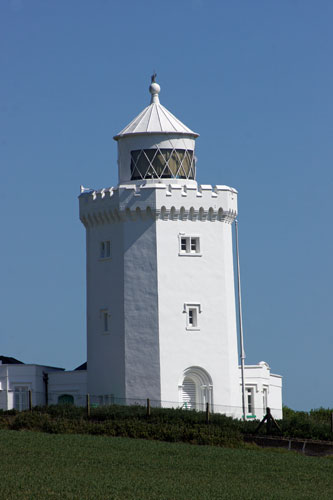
(188,164)
(139,164)
(162,163)
(175,162)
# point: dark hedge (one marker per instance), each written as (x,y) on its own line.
(164,424)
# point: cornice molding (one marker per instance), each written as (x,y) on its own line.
(114,215)
(131,202)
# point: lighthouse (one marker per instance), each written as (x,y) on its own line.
(161,320)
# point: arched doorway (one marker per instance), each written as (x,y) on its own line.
(195,389)
(189,393)
(65,399)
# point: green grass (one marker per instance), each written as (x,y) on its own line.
(40,466)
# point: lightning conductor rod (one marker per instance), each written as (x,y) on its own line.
(240,321)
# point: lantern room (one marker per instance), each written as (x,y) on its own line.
(156,145)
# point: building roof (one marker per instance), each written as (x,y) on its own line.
(81,367)
(7,360)
(155,119)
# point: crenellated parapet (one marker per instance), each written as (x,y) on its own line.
(158,201)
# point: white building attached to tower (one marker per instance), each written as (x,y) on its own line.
(161,318)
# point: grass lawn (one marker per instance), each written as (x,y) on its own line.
(38,466)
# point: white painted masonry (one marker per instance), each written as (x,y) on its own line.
(73,383)
(143,224)
(17,379)
(266,390)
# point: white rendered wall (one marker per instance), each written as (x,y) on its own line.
(146,283)
(125,361)
(206,280)
(142,368)
(275,396)
(258,377)
(105,352)
(71,382)
(30,376)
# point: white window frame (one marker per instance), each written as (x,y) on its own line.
(106,400)
(192,310)
(21,397)
(250,390)
(105,250)
(188,252)
(265,398)
(105,319)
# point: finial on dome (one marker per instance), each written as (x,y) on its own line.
(154,89)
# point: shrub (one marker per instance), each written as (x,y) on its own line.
(163,424)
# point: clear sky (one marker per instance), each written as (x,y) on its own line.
(253,77)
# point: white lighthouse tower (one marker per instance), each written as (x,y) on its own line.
(161,320)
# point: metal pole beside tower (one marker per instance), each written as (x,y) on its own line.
(240,319)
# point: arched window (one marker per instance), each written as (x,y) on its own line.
(65,399)
(196,389)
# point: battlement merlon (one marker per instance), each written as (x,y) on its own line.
(158,200)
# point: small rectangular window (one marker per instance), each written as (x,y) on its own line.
(192,316)
(108,249)
(183,244)
(102,255)
(193,244)
(189,245)
(105,250)
(105,321)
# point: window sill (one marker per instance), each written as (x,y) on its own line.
(183,254)
(193,329)
(105,333)
(104,259)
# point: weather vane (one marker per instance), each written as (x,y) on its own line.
(153,78)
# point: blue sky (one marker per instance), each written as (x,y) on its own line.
(254,78)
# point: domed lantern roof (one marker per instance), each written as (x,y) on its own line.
(155,119)
(156,145)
